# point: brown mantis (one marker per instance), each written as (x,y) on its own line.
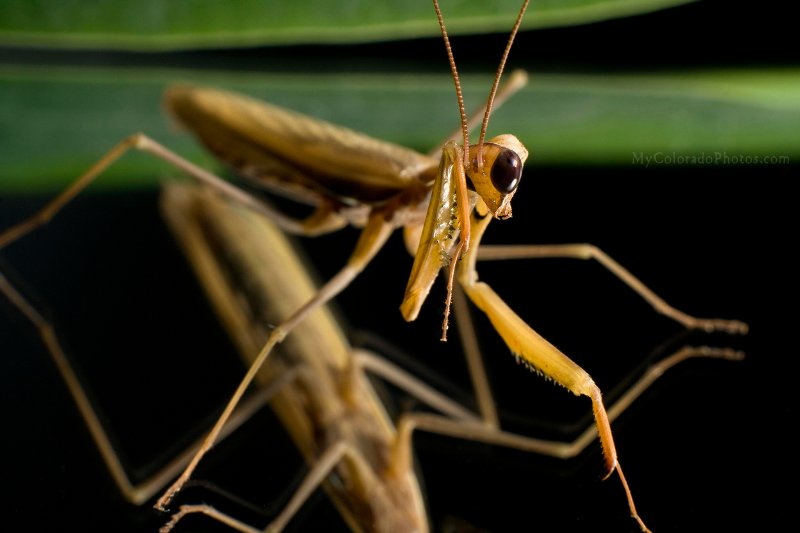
(397,196)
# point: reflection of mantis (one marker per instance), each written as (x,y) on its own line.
(351,178)
(316,382)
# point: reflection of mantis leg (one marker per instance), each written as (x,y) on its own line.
(472,353)
(560,449)
(324,466)
(136,493)
(362,360)
(372,239)
(454,422)
(482,432)
(378,366)
(588,251)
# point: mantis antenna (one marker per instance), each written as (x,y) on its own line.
(492,92)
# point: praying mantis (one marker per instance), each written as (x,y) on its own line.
(447,247)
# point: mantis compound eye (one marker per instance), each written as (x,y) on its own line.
(506,171)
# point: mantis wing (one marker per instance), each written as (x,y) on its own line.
(294,154)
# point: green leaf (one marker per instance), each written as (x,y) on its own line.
(183,24)
(54,123)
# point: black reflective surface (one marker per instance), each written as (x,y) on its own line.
(153,358)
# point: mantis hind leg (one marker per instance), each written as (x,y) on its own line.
(321,221)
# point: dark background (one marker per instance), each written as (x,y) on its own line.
(702,449)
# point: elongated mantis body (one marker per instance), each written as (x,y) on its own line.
(353,179)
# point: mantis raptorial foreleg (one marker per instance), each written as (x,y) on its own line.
(455,425)
(563,450)
(324,219)
(540,354)
(483,432)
